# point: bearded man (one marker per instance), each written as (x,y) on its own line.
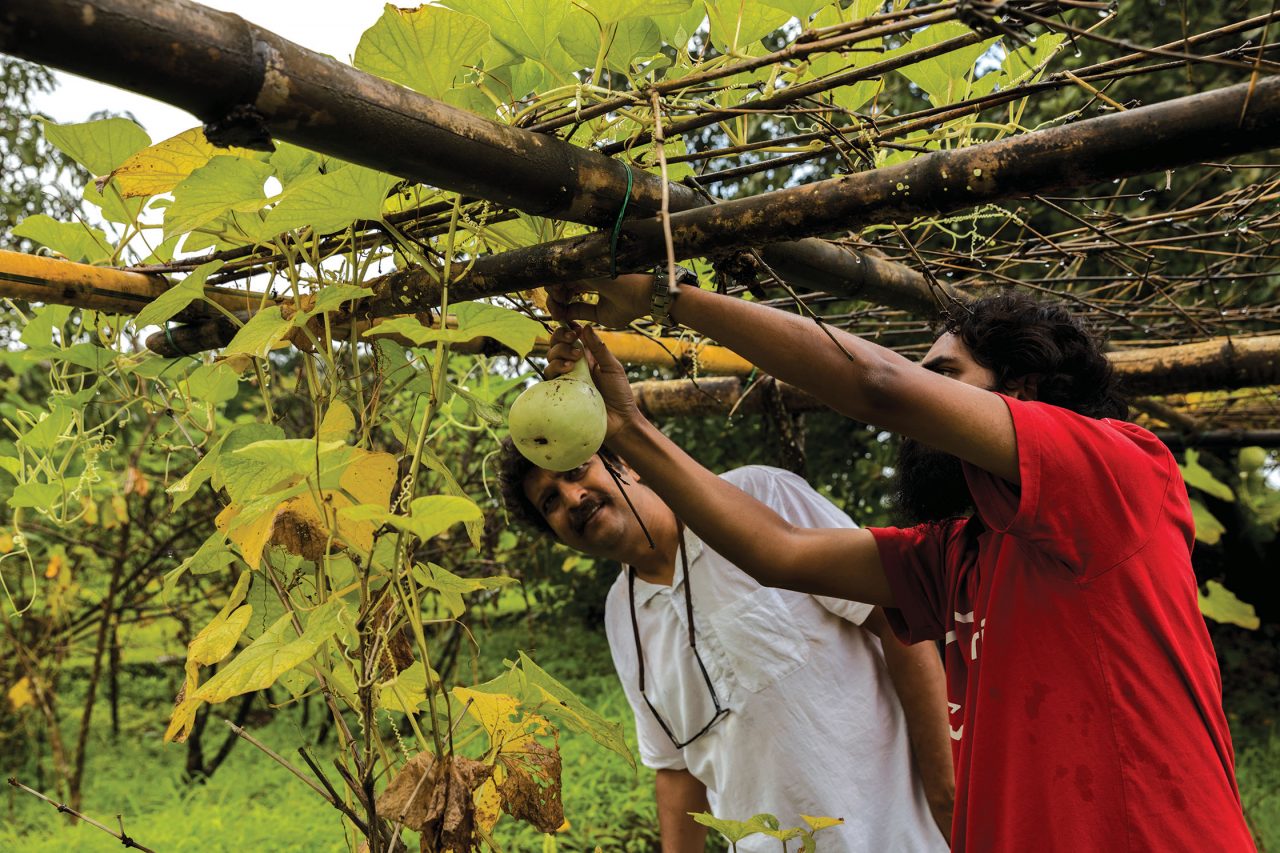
(748,699)
(1085,697)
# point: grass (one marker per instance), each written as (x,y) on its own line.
(253,804)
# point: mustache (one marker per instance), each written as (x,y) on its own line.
(580,514)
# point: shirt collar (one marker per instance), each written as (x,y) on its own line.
(645,591)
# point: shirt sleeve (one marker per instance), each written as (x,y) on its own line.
(791,497)
(656,749)
(916,565)
(1092,490)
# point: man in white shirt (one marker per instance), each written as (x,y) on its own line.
(776,701)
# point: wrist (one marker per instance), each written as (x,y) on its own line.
(629,432)
(664,291)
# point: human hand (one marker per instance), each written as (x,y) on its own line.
(606,372)
(621,299)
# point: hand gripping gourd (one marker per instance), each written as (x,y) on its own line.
(558,424)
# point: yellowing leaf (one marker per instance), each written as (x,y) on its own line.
(500,717)
(488,804)
(338,424)
(54,566)
(816,823)
(6,543)
(275,652)
(20,694)
(166,164)
(1221,605)
(214,642)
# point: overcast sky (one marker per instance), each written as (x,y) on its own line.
(327,26)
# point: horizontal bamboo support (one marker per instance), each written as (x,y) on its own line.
(249,85)
(36,278)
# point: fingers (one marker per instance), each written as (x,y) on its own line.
(603,357)
(563,352)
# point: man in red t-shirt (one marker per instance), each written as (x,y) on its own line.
(1053,559)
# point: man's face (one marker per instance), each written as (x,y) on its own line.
(585,509)
(929,485)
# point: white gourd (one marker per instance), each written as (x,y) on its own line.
(558,424)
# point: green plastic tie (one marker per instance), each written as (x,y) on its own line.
(168,336)
(617,226)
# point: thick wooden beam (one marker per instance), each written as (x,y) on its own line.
(1201,366)
(249,86)
(1207,126)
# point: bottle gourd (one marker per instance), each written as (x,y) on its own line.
(559,423)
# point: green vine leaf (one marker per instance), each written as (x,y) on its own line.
(475,320)
(1221,605)
(529,28)
(73,240)
(176,298)
(264,332)
(945,78)
(1208,529)
(274,653)
(223,185)
(100,145)
(1198,477)
(328,203)
(423,48)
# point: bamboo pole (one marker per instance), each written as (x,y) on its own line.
(1218,363)
(1217,124)
(249,86)
(37,278)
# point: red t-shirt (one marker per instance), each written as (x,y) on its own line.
(1086,703)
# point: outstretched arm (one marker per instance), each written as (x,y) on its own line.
(842,562)
(679,793)
(853,376)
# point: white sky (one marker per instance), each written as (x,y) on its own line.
(327,26)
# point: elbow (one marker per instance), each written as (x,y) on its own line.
(878,388)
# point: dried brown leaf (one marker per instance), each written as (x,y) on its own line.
(531,789)
(434,797)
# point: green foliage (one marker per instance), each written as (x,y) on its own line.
(423,48)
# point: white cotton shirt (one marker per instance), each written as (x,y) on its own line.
(815,726)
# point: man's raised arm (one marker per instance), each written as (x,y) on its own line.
(853,376)
(841,562)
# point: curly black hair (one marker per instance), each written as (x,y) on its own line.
(1017,336)
(513,468)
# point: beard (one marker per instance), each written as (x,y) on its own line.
(929,485)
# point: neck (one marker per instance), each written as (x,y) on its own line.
(657,564)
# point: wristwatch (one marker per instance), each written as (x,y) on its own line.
(665,293)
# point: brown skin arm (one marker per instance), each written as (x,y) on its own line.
(678,794)
(857,378)
(749,534)
(917,675)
